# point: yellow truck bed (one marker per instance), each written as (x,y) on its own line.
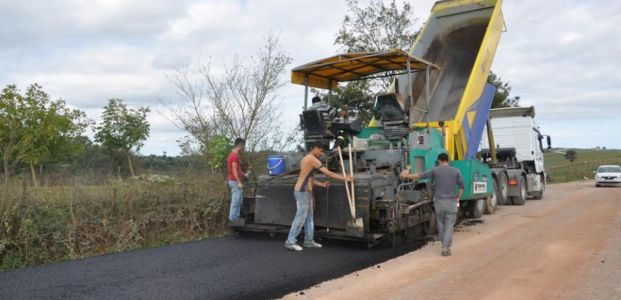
(461,37)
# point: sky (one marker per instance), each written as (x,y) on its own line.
(560,56)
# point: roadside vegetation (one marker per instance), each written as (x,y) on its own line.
(580,165)
(65,196)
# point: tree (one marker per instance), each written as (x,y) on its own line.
(35,127)
(377,27)
(503,91)
(12,114)
(240,102)
(123,129)
(355,97)
(192,110)
(571,155)
(218,148)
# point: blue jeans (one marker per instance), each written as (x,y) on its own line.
(303,217)
(237,197)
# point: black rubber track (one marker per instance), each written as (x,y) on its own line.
(233,267)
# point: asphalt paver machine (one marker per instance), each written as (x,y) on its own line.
(439,102)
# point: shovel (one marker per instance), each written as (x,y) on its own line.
(355,226)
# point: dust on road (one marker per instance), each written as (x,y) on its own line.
(565,246)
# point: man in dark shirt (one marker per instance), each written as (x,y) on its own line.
(235,179)
(445,179)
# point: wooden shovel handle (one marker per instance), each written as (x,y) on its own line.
(346,184)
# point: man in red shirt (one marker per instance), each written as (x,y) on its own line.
(235,178)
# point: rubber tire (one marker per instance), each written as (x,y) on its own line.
(476,208)
(431,229)
(492,200)
(503,188)
(521,199)
(539,195)
(597,185)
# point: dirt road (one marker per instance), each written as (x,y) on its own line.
(567,246)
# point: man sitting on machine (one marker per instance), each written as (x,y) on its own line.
(326,110)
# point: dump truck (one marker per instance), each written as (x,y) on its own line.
(439,102)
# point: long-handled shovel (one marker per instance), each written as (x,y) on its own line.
(355,226)
(351,209)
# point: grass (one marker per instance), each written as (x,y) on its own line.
(79,215)
(50,224)
(561,170)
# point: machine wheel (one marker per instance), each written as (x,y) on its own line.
(390,240)
(521,199)
(539,195)
(492,200)
(476,208)
(502,190)
(431,229)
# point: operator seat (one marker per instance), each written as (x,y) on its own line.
(315,127)
(393,116)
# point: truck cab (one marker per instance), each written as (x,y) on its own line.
(519,150)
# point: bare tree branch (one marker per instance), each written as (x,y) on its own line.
(240,102)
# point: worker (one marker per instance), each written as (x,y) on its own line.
(326,110)
(445,180)
(342,116)
(235,178)
(303,197)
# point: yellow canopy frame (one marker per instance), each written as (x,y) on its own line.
(328,72)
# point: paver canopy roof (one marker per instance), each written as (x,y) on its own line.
(328,72)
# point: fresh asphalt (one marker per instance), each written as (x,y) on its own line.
(240,267)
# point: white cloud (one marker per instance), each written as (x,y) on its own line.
(558,55)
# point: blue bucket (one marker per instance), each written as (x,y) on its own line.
(276,165)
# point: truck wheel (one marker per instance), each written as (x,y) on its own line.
(539,195)
(492,200)
(502,190)
(521,199)
(476,208)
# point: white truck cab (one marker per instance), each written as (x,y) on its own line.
(519,148)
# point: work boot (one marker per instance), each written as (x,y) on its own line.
(446,252)
(294,247)
(312,244)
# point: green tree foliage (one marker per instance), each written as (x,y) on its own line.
(218,148)
(571,156)
(378,26)
(123,129)
(35,128)
(355,97)
(502,98)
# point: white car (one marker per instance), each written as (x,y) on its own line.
(608,175)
